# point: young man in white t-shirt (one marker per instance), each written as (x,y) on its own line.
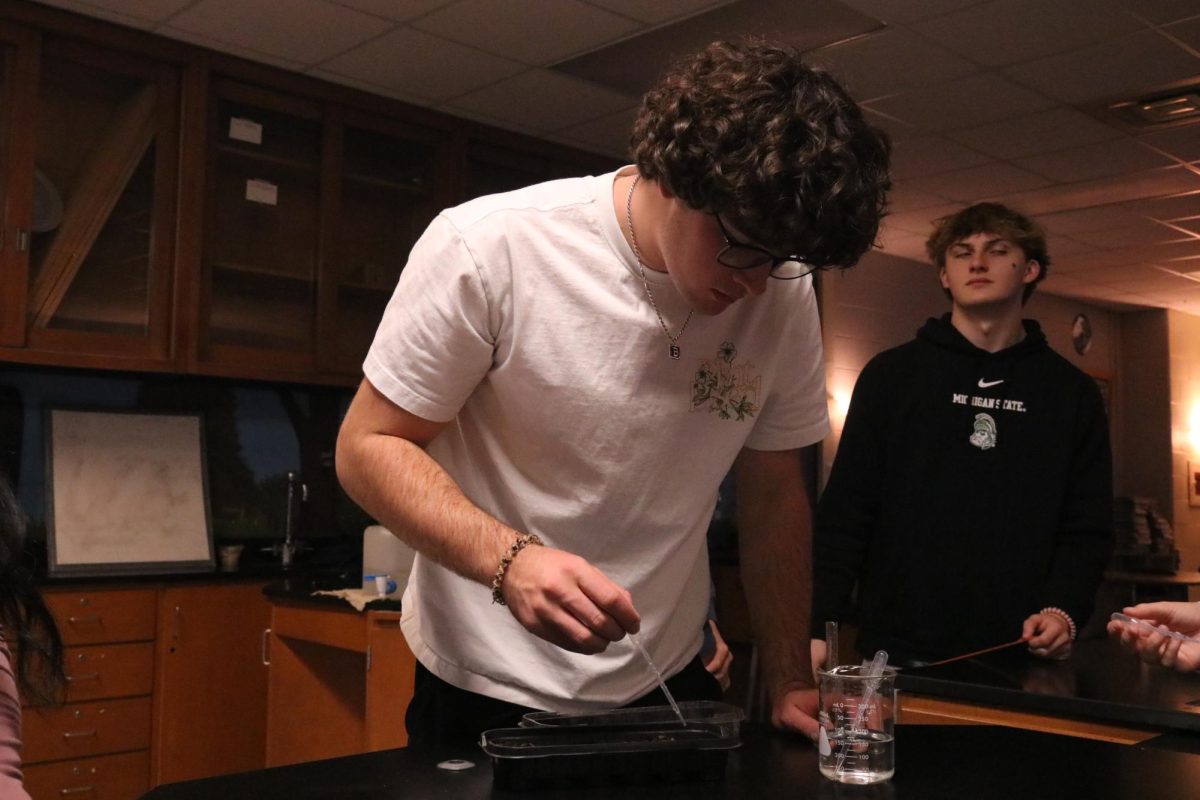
(565,374)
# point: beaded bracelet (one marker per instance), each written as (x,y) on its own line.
(1058,612)
(498,581)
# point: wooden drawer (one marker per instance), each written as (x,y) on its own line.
(87,729)
(119,777)
(111,615)
(109,670)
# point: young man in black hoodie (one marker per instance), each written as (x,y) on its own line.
(970,500)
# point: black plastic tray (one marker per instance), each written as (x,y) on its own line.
(605,755)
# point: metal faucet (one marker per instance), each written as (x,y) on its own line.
(287,549)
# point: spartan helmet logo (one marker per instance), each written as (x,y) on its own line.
(984,436)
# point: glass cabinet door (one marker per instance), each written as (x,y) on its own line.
(102,221)
(262,229)
(385,201)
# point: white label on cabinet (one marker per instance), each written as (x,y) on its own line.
(263,192)
(245,130)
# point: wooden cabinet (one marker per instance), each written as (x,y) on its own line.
(91,151)
(98,742)
(311,209)
(211,697)
(340,683)
(164,208)
(164,683)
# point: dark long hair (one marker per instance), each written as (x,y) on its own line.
(28,627)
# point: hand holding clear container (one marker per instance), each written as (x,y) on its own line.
(857,741)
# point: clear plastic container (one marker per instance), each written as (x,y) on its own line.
(724,718)
(603,755)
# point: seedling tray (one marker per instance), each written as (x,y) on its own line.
(571,756)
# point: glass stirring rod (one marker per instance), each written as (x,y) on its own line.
(661,683)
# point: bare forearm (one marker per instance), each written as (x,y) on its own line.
(775,535)
(399,484)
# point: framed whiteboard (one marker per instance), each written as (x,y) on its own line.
(126,493)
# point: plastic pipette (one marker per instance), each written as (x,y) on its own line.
(661,683)
(873,674)
(1150,627)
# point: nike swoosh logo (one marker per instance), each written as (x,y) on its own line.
(988,384)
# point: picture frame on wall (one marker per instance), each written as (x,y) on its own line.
(126,493)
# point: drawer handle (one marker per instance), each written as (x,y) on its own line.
(77,790)
(79,734)
(88,619)
(266,659)
(91,676)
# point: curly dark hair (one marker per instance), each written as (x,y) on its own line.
(991,218)
(28,626)
(747,130)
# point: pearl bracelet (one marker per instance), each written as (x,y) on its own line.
(498,581)
(1058,612)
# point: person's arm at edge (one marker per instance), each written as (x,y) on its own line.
(1084,541)
(775,543)
(383,466)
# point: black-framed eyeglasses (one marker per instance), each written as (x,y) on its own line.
(743,255)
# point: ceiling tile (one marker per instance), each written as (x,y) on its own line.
(961,104)
(634,63)
(419,64)
(978,183)
(608,134)
(310,32)
(903,11)
(543,99)
(1010,38)
(1068,247)
(1125,67)
(1119,275)
(929,155)
(372,88)
(904,198)
(1143,283)
(1178,206)
(1133,232)
(125,11)
(1160,12)
(1055,129)
(1079,223)
(397,10)
(660,10)
(1187,32)
(1107,191)
(921,220)
(1101,160)
(897,130)
(535,32)
(890,61)
(232,49)
(1183,142)
(1190,225)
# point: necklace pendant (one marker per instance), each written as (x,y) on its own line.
(675,351)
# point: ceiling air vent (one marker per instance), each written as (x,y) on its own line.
(1177,108)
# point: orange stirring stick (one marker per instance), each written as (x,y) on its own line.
(991,649)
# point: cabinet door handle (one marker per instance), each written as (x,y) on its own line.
(266,660)
(79,734)
(77,790)
(22,240)
(90,676)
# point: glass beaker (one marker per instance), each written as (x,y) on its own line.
(857,742)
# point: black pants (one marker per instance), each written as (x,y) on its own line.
(450,719)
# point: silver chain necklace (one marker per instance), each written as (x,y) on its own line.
(637,253)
